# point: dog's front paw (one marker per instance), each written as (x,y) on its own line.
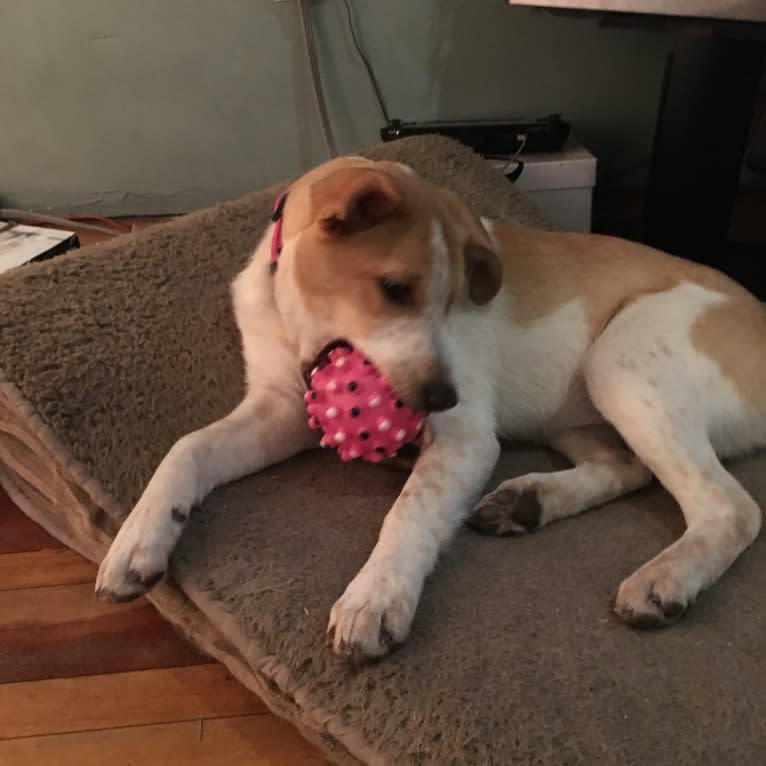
(138,557)
(374,615)
(652,597)
(512,509)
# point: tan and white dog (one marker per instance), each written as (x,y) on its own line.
(629,362)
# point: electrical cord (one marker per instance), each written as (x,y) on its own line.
(80,219)
(366,62)
(13,214)
(316,73)
(316,77)
(515,174)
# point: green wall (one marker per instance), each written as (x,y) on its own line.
(158,106)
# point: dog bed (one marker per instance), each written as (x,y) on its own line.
(110,354)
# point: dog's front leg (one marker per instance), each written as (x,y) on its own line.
(262,430)
(376,610)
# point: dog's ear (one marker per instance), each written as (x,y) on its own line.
(353,200)
(483,272)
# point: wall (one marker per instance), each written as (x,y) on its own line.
(158,107)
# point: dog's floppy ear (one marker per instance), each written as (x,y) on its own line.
(355,199)
(483,272)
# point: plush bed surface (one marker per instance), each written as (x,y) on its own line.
(108,355)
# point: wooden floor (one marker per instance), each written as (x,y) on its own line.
(89,684)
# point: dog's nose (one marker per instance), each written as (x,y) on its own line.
(439,396)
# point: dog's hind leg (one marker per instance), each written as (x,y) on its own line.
(603,470)
(675,408)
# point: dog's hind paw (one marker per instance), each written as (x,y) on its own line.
(509,510)
(651,598)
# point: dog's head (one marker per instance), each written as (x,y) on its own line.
(375,255)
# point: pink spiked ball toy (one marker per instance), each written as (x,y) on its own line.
(357,410)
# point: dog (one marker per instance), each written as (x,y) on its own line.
(629,362)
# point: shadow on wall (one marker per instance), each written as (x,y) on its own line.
(300,96)
(489,60)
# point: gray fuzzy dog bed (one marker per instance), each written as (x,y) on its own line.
(108,355)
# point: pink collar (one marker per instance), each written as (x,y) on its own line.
(276,236)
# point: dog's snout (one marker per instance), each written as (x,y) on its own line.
(439,396)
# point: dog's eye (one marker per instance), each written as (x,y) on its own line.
(396,292)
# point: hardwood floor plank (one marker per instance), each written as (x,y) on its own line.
(54,637)
(122,699)
(34,569)
(18,533)
(255,740)
(62,631)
